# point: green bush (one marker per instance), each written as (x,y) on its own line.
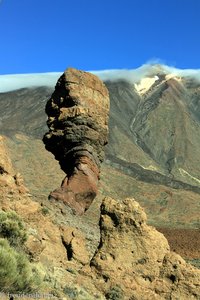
(8,265)
(45,211)
(115,293)
(78,293)
(16,273)
(12,228)
(71,292)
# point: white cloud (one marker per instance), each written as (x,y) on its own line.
(13,82)
(17,81)
(149,69)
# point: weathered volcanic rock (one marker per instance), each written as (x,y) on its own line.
(78,131)
(133,260)
(8,177)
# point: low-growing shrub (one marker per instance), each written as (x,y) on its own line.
(71,292)
(115,293)
(45,211)
(12,228)
(16,272)
(78,293)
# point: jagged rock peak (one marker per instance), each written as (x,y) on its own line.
(78,131)
(134,259)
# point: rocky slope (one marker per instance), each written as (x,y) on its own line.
(49,235)
(130,260)
(126,259)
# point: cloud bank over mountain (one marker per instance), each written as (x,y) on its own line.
(17,81)
(146,70)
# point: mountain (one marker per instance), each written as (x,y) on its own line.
(153,137)
(82,257)
(153,123)
(160,126)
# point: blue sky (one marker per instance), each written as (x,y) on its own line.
(48,36)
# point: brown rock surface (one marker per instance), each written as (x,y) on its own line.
(8,178)
(75,245)
(78,130)
(5,161)
(134,260)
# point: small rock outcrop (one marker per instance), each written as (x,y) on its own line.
(78,131)
(8,178)
(133,260)
(75,245)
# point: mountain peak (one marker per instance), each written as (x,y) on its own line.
(145,84)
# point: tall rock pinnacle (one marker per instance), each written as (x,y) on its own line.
(78,131)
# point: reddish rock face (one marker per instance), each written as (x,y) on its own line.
(78,131)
